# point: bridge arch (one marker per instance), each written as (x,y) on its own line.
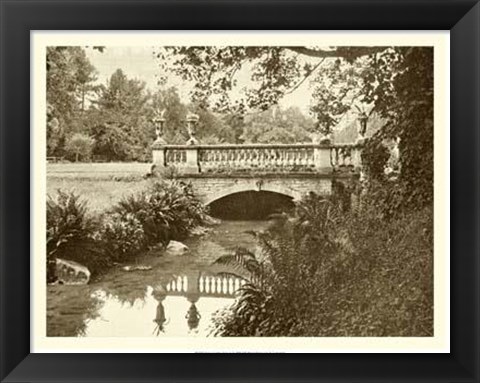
(250,205)
(256,187)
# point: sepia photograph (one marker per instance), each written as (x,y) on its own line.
(239,190)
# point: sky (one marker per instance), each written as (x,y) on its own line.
(140,63)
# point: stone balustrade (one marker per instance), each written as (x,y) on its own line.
(288,158)
(345,156)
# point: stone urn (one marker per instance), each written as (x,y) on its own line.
(192,120)
(159,123)
(362,127)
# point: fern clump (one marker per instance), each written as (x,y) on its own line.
(327,272)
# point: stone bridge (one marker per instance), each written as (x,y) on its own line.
(294,170)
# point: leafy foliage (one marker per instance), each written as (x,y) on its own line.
(70,232)
(277,126)
(80,146)
(357,274)
(275,71)
(70,83)
(167,210)
(122,236)
(118,118)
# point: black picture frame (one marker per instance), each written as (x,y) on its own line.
(19,17)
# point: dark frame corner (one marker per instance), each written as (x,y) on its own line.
(18,18)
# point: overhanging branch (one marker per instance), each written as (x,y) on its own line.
(350,52)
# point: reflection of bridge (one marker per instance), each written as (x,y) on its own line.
(195,284)
(216,171)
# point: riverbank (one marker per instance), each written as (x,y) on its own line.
(119,227)
(123,303)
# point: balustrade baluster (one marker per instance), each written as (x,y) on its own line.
(272,158)
(218,159)
(287,157)
(302,157)
(231,158)
(244,158)
(211,159)
(248,158)
(283,158)
(296,157)
(332,157)
(294,152)
(240,159)
(260,158)
(282,163)
(252,157)
(256,158)
(225,158)
(278,158)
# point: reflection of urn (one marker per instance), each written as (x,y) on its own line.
(193,317)
(192,120)
(160,318)
(159,122)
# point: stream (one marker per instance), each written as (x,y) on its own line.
(157,295)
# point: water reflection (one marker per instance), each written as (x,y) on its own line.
(193,317)
(157,301)
(160,318)
(193,286)
(181,306)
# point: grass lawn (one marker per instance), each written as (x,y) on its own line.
(102,185)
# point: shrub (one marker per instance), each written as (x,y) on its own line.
(341,274)
(70,232)
(168,210)
(122,236)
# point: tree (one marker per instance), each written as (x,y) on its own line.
(85,77)
(277,126)
(276,71)
(119,119)
(211,127)
(70,78)
(394,82)
(80,146)
(401,88)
